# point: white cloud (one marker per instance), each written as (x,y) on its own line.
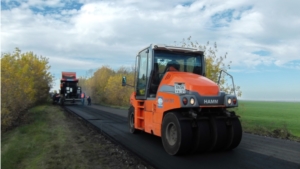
(114,31)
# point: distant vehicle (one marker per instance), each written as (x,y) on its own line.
(69,89)
(174,100)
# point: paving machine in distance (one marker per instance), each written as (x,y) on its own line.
(69,89)
(174,100)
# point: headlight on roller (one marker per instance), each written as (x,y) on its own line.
(192,101)
(229,100)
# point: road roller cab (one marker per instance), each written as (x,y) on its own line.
(174,100)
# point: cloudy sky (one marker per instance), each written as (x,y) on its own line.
(262,38)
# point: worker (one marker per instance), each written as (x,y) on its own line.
(82,97)
(173,66)
(54,99)
(89,100)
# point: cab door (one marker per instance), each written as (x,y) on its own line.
(142,75)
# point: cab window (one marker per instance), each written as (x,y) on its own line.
(142,74)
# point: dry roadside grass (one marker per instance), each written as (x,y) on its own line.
(56,139)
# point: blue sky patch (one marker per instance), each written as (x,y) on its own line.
(187,3)
(262,53)
(293,64)
(219,18)
(56,9)
(227,16)
(42,8)
(9,5)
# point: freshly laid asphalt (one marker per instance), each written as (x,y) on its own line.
(253,152)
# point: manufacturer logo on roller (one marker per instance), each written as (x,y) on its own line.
(211,101)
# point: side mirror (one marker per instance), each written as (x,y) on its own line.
(124,81)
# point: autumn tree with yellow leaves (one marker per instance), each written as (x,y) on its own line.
(214,64)
(25,82)
(104,86)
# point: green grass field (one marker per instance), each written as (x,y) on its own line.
(275,118)
(49,139)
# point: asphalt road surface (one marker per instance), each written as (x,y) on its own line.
(253,152)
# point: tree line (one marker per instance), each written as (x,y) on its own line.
(25,82)
(105,87)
